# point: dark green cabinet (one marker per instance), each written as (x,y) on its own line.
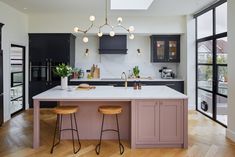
(165,48)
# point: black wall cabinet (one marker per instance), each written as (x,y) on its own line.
(165,48)
(46,51)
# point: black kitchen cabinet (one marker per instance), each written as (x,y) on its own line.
(53,47)
(46,51)
(1,76)
(176,85)
(165,48)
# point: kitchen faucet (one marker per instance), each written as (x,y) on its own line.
(124,78)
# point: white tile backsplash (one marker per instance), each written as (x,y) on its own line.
(114,65)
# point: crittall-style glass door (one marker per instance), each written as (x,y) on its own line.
(17,79)
(211,62)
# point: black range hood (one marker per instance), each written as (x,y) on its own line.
(113,45)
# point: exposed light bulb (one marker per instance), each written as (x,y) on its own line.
(76,29)
(131,36)
(92,18)
(85,39)
(112,33)
(131,28)
(100,34)
(119,19)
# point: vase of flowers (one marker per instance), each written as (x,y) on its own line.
(64,71)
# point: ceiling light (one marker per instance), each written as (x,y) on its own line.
(85,39)
(112,33)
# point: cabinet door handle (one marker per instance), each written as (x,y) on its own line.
(48,72)
(170,84)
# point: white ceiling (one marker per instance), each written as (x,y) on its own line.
(96,7)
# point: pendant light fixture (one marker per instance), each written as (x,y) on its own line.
(112,33)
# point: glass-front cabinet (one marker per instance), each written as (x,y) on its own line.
(165,48)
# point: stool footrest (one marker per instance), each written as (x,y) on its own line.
(106,130)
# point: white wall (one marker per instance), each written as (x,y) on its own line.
(14,32)
(64,23)
(231,74)
(114,65)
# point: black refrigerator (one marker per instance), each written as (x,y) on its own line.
(1,77)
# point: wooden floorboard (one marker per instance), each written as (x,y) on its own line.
(206,139)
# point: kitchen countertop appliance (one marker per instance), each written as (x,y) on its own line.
(167,73)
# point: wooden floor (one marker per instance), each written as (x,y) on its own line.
(206,139)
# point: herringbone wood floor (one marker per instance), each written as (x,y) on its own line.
(206,139)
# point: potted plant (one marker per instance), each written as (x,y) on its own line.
(136,72)
(64,71)
(75,73)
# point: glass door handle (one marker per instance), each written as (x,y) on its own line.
(30,71)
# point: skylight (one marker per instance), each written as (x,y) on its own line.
(130,4)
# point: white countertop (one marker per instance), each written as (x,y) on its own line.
(110,93)
(121,80)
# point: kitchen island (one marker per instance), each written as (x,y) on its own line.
(155,116)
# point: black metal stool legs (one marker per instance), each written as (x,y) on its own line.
(121,147)
(59,124)
(97,149)
(75,151)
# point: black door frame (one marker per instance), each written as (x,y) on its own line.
(214,64)
(23,92)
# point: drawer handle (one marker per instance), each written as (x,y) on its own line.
(170,84)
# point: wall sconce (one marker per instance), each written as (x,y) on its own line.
(87,52)
(139,52)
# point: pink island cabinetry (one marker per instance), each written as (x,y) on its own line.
(156,116)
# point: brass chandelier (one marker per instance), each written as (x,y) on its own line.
(112,33)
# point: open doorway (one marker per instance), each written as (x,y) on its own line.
(17,55)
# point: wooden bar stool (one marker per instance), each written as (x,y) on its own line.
(66,110)
(110,110)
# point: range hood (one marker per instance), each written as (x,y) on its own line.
(113,45)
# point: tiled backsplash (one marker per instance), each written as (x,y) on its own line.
(114,65)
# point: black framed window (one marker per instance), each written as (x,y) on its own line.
(211,62)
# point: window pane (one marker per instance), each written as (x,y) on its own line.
(205,77)
(222,50)
(172,49)
(16,53)
(222,106)
(16,92)
(16,68)
(160,49)
(223,80)
(16,105)
(205,52)
(205,102)
(17,78)
(205,25)
(221,18)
